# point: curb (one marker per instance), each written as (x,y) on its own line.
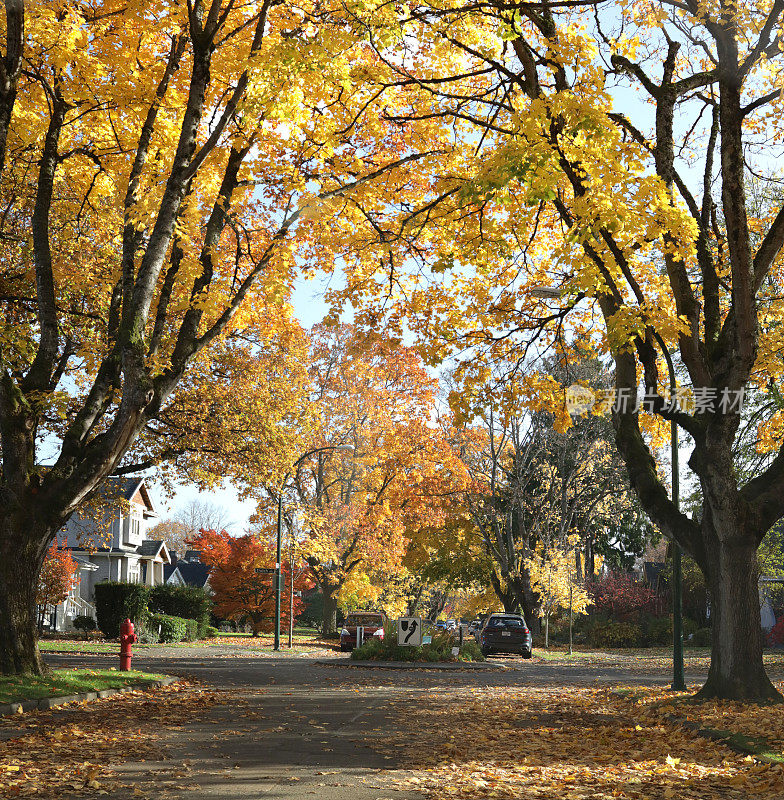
(45,703)
(422,665)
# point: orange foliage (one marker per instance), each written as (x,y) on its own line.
(239,592)
(59,575)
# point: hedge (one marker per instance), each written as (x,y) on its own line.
(659,630)
(188,602)
(116,601)
(169,629)
(616,634)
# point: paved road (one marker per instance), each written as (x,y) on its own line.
(291,728)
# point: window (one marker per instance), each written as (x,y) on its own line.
(505,622)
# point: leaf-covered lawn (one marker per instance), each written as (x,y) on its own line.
(649,659)
(571,743)
(307,639)
(67,681)
(750,723)
(68,751)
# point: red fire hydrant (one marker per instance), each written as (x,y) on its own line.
(127,639)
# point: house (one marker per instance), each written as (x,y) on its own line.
(110,535)
(61,616)
(187,571)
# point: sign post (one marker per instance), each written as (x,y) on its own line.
(409,631)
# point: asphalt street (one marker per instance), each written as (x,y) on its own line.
(290,728)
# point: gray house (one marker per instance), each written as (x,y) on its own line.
(111,537)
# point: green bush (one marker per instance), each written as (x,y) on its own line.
(188,602)
(616,634)
(703,637)
(84,623)
(169,629)
(192,630)
(439,649)
(146,636)
(658,630)
(115,601)
(212,632)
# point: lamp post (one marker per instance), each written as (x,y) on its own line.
(338,447)
(678,678)
(544,292)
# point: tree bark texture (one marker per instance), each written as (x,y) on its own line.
(329,625)
(21,557)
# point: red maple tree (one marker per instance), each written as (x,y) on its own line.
(240,593)
(59,575)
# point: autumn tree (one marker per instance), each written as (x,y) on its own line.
(239,592)
(160,162)
(635,218)
(373,399)
(59,574)
(556,579)
(535,486)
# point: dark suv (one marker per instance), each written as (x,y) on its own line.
(505,633)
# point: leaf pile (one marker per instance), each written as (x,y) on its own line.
(70,750)
(581,743)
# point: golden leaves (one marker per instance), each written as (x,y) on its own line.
(576,742)
(46,756)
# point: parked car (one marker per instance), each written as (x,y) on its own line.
(371,621)
(440,625)
(505,633)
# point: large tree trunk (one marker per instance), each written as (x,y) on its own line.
(737,671)
(329,624)
(21,557)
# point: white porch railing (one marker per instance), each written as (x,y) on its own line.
(75,606)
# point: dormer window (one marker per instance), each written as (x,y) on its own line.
(132,529)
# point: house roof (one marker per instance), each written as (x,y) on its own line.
(194,556)
(193,574)
(126,488)
(152,548)
(83,564)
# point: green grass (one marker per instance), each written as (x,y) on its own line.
(68,681)
(75,646)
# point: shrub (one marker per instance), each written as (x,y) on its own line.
(84,623)
(168,628)
(188,602)
(147,636)
(115,601)
(192,630)
(212,632)
(439,649)
(623,599)
(776,635)
(616,634)
(659,630)
(702,638)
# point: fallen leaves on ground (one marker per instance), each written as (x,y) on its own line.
(748,719)
(574,742)
(654,660)
(70,750)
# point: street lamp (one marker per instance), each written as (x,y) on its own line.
(340,448)
(544,292)
(678,679)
